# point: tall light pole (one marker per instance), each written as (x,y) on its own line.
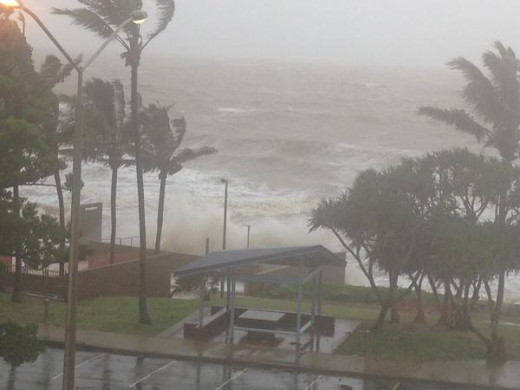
(248,230)
(224,230)
(226,182)
(70,324)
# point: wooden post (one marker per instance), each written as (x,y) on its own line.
(45,310)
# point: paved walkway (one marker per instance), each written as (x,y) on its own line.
(476,373)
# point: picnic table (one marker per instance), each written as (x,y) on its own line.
(258,319)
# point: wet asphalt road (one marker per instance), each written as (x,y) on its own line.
(102,371)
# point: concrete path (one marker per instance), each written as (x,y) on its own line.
(476,373)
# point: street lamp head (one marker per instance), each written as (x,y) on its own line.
(138,17)
(11,3)
(224,181)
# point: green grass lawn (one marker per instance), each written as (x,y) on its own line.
(404,341)
(107,314)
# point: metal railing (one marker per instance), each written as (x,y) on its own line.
(31,271)
(129,241)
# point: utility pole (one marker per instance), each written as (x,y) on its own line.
(226,182)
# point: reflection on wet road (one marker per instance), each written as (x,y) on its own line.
(102,371)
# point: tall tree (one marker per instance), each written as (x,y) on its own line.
(495,121)
(162,138)
(25,105)
(377,223)
(52,72)
(108,142)
(101,17)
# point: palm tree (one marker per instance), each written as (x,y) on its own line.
(105,116)
(495,121)
(161,139)
(52,72)
(101,17)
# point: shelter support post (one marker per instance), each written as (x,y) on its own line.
(202,293)
(299,305)
(228,288)
(320,291)
(232,311)
(313,307)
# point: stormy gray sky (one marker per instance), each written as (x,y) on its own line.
(416,33)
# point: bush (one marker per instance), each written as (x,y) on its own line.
(19,344)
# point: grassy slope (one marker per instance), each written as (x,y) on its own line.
(109,314)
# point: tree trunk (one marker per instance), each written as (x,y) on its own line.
(18,281)
(435,292)
(113,220)
(160,213)
(420,317)
(144,318)
(463,319)
(387,304)
(378,325)
(495,320)
(446,317)
(476,294)
(61,205)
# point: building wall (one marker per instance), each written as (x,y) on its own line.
(38,284)
(121,279)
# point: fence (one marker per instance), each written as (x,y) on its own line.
(124,240)
(31,271)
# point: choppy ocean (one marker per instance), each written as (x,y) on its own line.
(288,135)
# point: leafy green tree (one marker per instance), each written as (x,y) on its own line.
(101,17)
(25,106)
(377,224)
(161,140)
(33,239)
(495,121)
(105,116)
(428,216)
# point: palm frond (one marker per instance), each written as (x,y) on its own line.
(458,118)
(480,92)
(67,69)
(178,126)
(188,154)
(165,12)
(88,19)
(504,68)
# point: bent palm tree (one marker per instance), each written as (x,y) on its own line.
(495,122)
(161,139)
(101,17)
(105,119)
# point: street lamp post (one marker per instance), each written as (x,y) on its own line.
(226,182)
(248,230)
(224,231)
(70,324)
